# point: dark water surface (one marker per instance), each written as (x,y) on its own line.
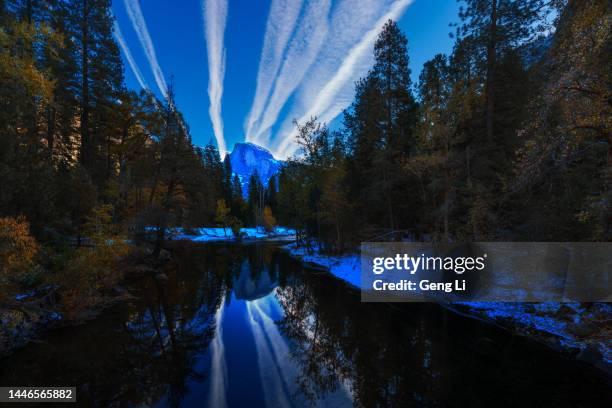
(245,326)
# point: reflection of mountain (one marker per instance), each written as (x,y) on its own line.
(310,342)
(247,287)
(248,158)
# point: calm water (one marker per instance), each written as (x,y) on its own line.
(245,326)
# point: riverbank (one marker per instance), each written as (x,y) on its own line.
(25,322)
(211,234)
(576,330)
(244,323)
(27,316)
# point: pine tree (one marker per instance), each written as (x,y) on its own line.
(255,199)
(436,160)
(485,66)
(293,198)
(492,27)
(215,171)
(381,123)
(100,77)
(62,131)
(227,179)
(270,194)
(25,90)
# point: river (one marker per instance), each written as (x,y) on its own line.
(244,325)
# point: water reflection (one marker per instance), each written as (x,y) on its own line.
(218,369)
(252,284)
(243,325)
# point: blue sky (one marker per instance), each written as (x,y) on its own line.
(244,69)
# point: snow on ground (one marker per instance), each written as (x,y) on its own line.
(344,267)
(210,234)
(579,326)
(565,325)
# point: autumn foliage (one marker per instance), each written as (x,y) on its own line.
(268,219)
(94,269)
(17,251)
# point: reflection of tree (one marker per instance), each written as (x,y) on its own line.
(383,360)
(316,348)
(140,353)
(400,355)
(414,354)
(259,259)
(176,321)
(167,334)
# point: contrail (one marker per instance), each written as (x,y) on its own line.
(139,77)
(348,26)
(273,357)
(300,55)
(281,23)
(215,16)
(218,369)
(128,55)
(326,104)
(140,26)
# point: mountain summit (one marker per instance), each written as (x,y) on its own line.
(247,158)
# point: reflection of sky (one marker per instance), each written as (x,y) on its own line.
(277,370)
(249,361)
(211,362)
(272,351)
(218,369)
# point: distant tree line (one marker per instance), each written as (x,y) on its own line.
(84,162)
(506,138)
(73,137)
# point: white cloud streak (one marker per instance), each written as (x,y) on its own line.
(301,53)
(140,26)
(215,16)
(276,370)
(335,93)
(281,24)
(218,370)
(128,56)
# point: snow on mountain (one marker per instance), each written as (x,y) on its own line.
(248,158)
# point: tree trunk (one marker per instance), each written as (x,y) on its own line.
(387,191)
(50,131)
(388,141)
(338,246)
(608,197)
(491,49)
(446,193)
(467,165)
(86,147)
